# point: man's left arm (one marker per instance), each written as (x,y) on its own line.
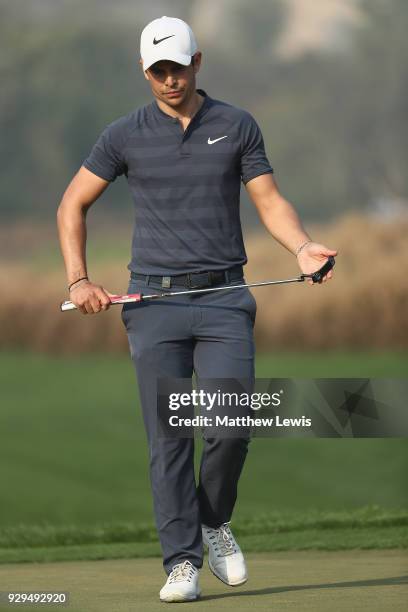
(282,221)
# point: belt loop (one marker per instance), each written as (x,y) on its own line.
(147,278)
(227,276)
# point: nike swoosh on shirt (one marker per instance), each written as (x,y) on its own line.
(215,140)
(156,42)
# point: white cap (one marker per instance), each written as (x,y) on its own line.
(167,38)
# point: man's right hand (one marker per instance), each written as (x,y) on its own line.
(90,298)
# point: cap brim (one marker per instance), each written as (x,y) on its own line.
(179,58)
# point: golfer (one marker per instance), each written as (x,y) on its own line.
(184,156)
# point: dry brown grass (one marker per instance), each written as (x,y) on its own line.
(364,306)
(366,303)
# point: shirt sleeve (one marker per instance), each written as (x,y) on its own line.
(106,158)
(253,157)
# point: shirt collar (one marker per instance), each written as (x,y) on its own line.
(203,108)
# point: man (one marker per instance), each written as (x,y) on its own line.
(184,156)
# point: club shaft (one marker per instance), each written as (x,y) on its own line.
(68,305)
(208,289)
(117,299)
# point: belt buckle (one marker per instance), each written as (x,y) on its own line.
(200,285)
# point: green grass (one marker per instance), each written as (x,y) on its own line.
(73,450)
(309,580)
(370,517)
(369,527)
(321,364)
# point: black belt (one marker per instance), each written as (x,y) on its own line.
(193,280)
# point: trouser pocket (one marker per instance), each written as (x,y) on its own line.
(246,296)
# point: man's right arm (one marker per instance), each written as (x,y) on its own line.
(79,196)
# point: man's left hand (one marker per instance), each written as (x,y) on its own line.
(312,257)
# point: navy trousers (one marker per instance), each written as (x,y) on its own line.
(211,335)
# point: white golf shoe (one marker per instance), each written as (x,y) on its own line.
(225,558)
(182,583)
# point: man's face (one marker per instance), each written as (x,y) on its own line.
(171,82)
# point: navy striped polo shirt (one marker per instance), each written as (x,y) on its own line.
(185,185)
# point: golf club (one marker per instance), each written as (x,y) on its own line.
(139,297)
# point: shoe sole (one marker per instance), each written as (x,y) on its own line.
(185,599)
(222,579)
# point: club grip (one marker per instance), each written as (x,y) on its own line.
(115,299)
(67,305)
(319,274)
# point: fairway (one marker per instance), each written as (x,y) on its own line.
(73,448)
(297,581)
(323,521)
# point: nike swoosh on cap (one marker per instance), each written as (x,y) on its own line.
(156,42)
(215,140)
